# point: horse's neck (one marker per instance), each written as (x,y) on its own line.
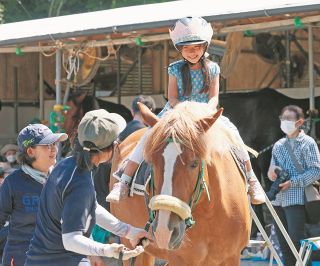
(221,172)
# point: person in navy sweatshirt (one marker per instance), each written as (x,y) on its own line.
(20,191)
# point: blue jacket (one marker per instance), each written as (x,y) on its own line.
(19,200)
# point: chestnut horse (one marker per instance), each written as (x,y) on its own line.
(189,150)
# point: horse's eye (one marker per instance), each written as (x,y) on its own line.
(194,164)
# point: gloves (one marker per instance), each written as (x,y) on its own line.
(114,250)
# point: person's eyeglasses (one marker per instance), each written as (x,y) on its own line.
(283,118)
(52,145)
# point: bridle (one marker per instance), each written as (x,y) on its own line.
(164,202)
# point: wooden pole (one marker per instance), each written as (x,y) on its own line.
(140,69)
(288,61)
(16,93)
(119,76)
(165,63)
(311,78)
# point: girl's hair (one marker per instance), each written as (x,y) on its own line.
(24,158)
(83,157)
(186,77)
(295,109)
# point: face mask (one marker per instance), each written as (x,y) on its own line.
(11,158)
(288,127)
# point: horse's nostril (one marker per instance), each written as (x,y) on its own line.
(174,221)
(176,237)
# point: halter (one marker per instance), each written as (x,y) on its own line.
(185,210)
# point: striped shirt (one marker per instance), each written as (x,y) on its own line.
(307,154)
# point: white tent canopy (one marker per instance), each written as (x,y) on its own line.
(149,16)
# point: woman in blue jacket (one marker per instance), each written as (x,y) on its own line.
(20,191)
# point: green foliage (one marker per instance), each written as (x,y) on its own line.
(19,10)
(1,13)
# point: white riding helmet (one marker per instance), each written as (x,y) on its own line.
(190,31)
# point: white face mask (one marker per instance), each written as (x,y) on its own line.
(288,127)
(11,158)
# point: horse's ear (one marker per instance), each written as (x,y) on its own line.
(148,117)
(207,122)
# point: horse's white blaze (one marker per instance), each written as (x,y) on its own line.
(170,155)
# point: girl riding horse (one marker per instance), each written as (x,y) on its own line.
(194,78)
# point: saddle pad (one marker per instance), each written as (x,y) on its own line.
(139,180)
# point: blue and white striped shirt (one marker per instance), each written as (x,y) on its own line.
(307,153)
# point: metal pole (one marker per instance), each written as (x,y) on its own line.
(41,97)
(140,69)
(58,89)
(119,76)
(15,88)
(265,236)
(311,77)
(283,231)
(288,54)
(58,76)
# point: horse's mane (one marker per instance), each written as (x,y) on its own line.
(181,125)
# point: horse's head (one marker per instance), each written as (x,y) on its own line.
(176,148)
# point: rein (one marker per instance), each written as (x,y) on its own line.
(201,185)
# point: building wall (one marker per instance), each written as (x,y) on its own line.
(251,72)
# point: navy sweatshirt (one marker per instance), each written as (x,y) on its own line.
(19,200)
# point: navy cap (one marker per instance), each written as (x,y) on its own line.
(38,134)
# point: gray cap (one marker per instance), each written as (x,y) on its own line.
(8,147)
(100,128)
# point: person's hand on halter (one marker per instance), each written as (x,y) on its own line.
(119,251)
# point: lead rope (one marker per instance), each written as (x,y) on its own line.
(151,216)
